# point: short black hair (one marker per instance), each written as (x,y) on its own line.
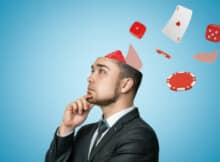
(126,71)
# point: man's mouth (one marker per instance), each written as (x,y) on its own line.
(90,88)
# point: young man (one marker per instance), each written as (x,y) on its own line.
(121,135)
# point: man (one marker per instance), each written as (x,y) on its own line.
(121,135)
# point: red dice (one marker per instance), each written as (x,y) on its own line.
(213,33)
(138,29)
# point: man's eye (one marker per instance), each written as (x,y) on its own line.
(102,71)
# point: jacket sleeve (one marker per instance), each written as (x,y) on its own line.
(137,148)
(60,148)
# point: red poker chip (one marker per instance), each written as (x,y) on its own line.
(181,81)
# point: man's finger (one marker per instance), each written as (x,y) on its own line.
(85,104)
(87,97)
(79,106)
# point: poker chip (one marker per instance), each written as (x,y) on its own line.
(181,81)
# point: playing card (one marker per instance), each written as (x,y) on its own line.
(160,52)
(132,58)
(178,23)
(206,57)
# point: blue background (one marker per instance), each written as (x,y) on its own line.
(47,47)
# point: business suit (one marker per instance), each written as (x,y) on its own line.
(129,140)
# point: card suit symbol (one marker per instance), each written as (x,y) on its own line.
(178,23)
(178,39)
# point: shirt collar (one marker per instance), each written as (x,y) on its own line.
(115,117)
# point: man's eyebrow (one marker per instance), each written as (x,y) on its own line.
(100,65)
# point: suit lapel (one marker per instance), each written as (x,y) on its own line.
(113,130)
(90,135)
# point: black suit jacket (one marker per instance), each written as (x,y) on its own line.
(129,140)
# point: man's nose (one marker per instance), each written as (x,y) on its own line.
(90,78)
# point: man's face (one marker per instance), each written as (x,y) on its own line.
(104,82)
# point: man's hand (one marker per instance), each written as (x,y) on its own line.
(75,114)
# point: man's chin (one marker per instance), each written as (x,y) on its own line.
(95,102)
(102,102)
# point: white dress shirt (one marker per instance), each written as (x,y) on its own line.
(111,121)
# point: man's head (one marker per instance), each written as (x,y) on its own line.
(110,80)
(127,71)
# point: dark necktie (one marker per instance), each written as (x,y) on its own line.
(102,127)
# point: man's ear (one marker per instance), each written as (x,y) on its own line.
(126,85)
